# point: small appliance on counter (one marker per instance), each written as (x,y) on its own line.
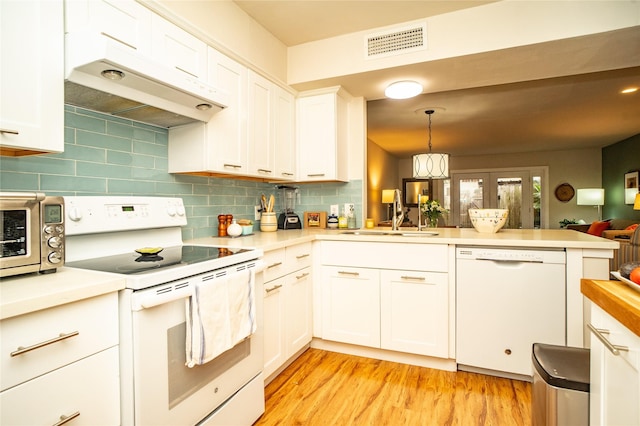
(288,219)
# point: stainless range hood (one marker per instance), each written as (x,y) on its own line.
(106,76)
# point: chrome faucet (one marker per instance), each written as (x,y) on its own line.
(419,212)
(398,210)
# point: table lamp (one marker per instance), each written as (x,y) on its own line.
(387,197)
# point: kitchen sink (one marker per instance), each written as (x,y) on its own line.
(391,233)
(363,232)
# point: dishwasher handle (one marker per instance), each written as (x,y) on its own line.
(498,260)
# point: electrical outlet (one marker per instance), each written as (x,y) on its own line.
(256,215)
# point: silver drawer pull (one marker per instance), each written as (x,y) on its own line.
(287,174)
(355,274)
(62,336)
(302,256)
(599,333)
(273,265)
(9,131)
(405,277)
(264,171)
(275,287)
(302,276)
(235,166)
(65,419)
(315,175)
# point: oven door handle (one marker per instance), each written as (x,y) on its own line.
(140,302)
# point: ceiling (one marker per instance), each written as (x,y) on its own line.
(550,96)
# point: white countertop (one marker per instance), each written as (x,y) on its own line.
(537,238)
(27,293)
(32,292)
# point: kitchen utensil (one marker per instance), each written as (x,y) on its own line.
(272,202)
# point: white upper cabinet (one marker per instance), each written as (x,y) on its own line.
(285,140)
(124,21)
(219,146)
(31,77)
(245,138)
(260,126)
(176,48)
(322,130)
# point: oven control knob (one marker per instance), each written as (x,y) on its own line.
(75,214)
(54,242)
(171,211)
(180,210)
(55,257)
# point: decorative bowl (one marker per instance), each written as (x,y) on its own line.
(247,229)
(488,221)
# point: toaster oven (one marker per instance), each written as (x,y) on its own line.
(33,233)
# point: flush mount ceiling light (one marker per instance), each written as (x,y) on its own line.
(113,74)
(431,165)
(629,90)
(403,90)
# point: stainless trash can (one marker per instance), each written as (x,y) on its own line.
(560,393)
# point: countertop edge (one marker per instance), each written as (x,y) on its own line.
(25,294)
(616,298)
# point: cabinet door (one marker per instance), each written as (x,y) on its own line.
(227,132)
(316,137)
(298,310)
(31,77)
(261,150)
(285,141)
(274,332)
(176,48)
(87,390)
(351,305)
(615,379)
(414,312)
(124,21)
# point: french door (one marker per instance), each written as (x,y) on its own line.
(511,190)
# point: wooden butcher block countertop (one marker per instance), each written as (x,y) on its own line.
(617,298)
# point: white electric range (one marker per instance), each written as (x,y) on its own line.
(140,238)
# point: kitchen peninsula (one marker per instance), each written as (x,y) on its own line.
(372,257)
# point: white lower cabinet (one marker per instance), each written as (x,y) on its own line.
(351,305)
(414,313)
(287,305)
(397,298)
(614,394)
(85,392)
(62,362)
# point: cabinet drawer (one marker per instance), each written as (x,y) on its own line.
(416,257)
(298,256)
(94,320)
(276,267)
(89,387)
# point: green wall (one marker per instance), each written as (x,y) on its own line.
(105,155)
(618,159)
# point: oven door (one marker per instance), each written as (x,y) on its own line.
(20,219)
(157,387)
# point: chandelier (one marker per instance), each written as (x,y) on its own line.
(431,165)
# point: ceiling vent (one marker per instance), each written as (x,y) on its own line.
(396,41)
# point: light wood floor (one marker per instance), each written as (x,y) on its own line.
(327,388)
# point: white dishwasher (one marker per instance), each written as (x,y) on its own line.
(507,300)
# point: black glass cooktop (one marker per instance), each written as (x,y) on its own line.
(136,263)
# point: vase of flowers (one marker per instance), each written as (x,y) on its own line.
(432,211)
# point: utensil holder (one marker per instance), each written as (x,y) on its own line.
(268,222)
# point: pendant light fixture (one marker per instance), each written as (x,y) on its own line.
(431,165)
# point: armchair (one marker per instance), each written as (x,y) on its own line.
(629,251)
